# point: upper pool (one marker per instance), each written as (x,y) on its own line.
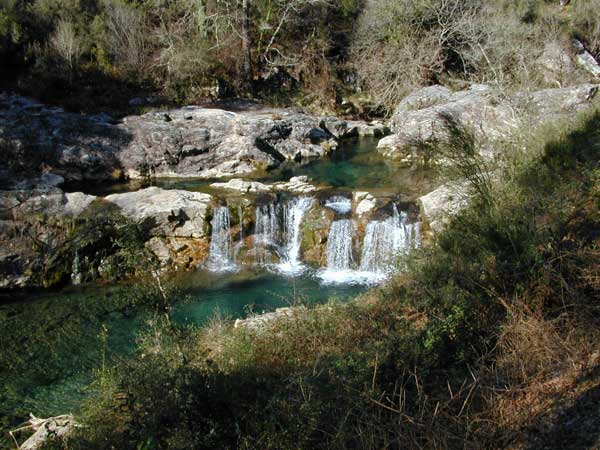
(355,165)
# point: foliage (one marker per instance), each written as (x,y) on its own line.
(505,299)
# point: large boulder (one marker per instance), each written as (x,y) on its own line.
(489,114)
(76,147)
(440,205)
(184,142)
(168,213)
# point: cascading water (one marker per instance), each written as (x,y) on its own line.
(385,243)
(339,252)
(220,258)
(341,205)
(293,214)
(267,232)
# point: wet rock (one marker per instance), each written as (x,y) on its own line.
(169,213)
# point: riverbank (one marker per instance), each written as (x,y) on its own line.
(487,342)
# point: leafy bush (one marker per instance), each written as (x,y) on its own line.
(434,360)
(400,45)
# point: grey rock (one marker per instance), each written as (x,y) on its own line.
(260,321)
(297,185)
(440,205)
(184,142)
(585,59)
(489,114)
(17,204)
(424,98)
(243,186)
(555,63)
(168,213)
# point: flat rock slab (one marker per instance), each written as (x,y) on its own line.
(170,213)
(184,142)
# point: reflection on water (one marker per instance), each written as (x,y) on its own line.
(54,340)
(356,165)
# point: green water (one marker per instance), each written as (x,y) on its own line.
(52,342)
(356,165)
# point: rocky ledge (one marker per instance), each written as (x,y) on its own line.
(184,142)
(491,115)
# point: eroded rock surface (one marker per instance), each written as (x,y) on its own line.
(169,213)
(184,142)
(491,115)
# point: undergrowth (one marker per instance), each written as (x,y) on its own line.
(491,340)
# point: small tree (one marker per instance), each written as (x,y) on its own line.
(67,44)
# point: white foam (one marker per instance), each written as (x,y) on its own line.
(329,276)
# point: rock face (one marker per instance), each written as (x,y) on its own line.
(168,213)
(75,147)
(439,206)
(585,59)
(184,142)
(211,143)
(491,116)
(296,185)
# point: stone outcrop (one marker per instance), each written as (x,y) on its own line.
(184,142)
(296,185)
(584,59)
(490,115)
(177,223)
(169,213)
(440,205)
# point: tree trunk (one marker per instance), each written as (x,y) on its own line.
(247,64)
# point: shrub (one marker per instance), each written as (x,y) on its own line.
(68,46)
(586,24)
(400,45)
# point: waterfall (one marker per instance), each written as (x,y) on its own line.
(220,258)
(293,214)
(267,232)
(339,253)
(339,245)
(240,245)
(339,204)
(386,241)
